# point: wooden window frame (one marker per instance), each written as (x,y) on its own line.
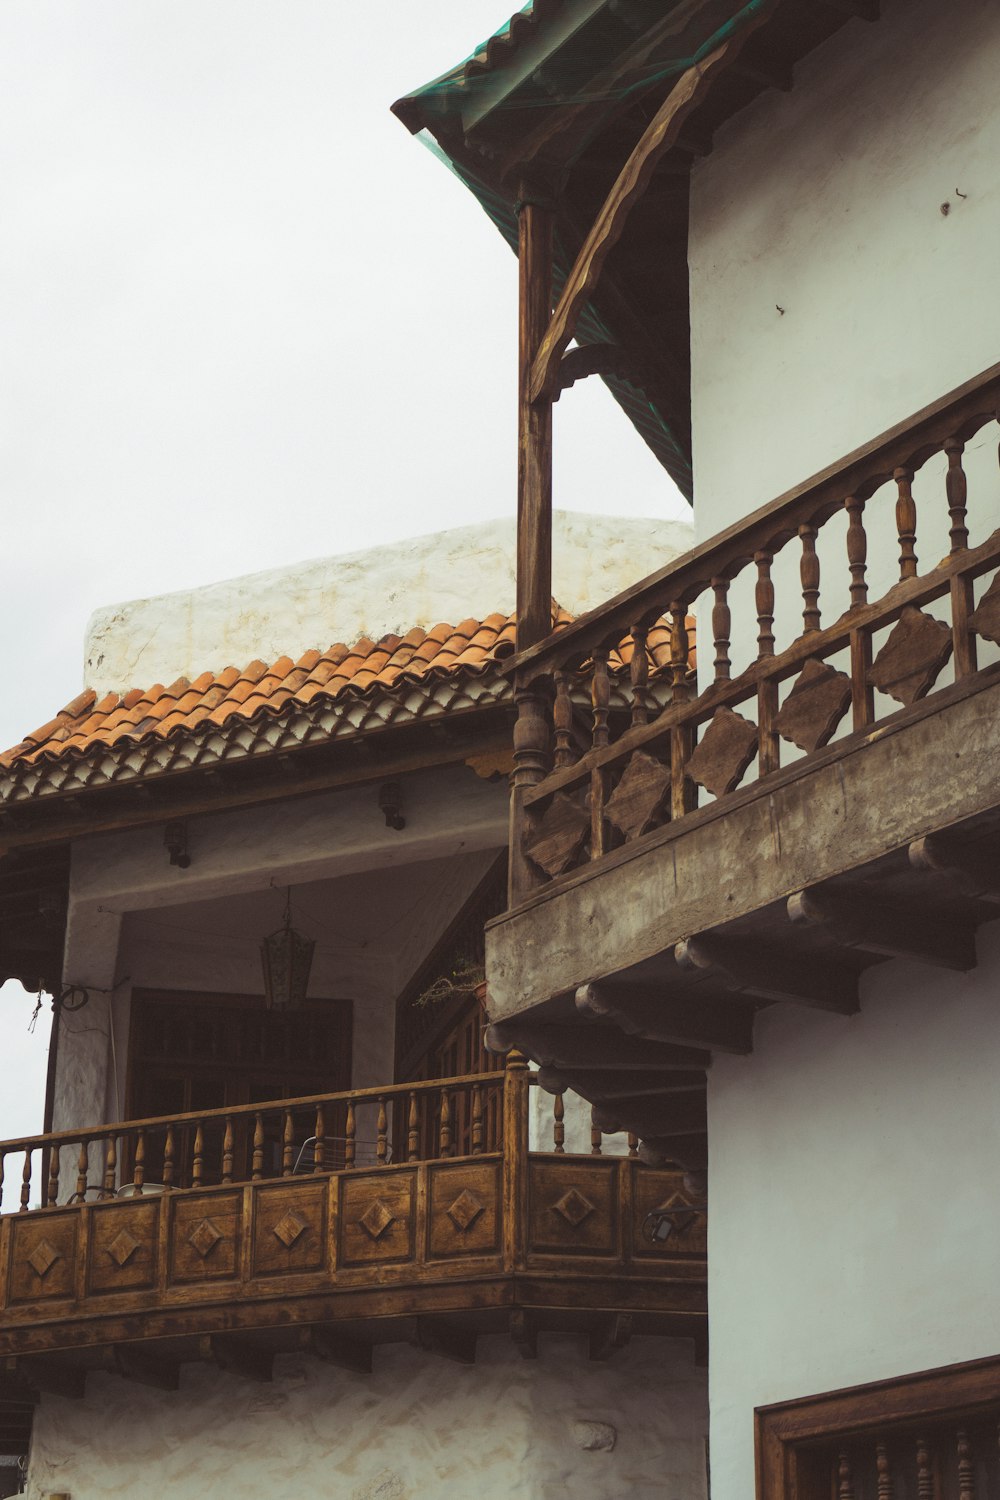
(786,1432)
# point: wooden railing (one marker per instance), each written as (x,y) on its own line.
(804,683)
(286,1138)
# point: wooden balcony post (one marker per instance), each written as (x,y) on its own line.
(516,1089)
(534,450)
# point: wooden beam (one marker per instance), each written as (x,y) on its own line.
(239,1356)
(609,1334)
(876,926)
(438,1337)
(687,1151)
(749,969)
(146,1368)
(524,1332)
(53,1377)
(534,445)
(599,1084)
(590,1047)
(972,872)
(654,1115)
(326,1342)
(714,1022)
(633,179)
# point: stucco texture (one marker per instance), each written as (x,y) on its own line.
(416,1427)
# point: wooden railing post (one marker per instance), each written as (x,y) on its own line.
(516,1089)
(531,764)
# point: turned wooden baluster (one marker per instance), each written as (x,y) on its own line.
(722,628)
(600,697)
(966,1474)
(562,721)
(319,1145)
(681,737)
(925,1478)
(809,575)
(257,1169)
(139,1164)
(382,1148)
(558,1125)
(595,1137)
(52,1191)
(845,1478)
(633,1145)
(767,692)
(168,1158)
(198,1164)
(227,1152)
(477,1120)
(906,523)
(957,489)
(413,1130)
(350,1136)
(639,673)
(288,1145)
(82,1168)
(26,1182)
(444,1126)
(883,1471)
(110,1168)
(857,551)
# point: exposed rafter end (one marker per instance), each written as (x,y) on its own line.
(864,922)
(748,969)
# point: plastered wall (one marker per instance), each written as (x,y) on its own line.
(830,296)
(855,1177)
(418,1428)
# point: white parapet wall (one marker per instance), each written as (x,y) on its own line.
(417,1428)
(855,1171)
(446,577)
(841,241)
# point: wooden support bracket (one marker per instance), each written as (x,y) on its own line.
(687,1151)
(715,1022)
(600,1084)
(875,926)
(612,1332)
(53,1377)
(335,1348)
(969,870)
(438,1337)
(136,1363)
(590,1047)
(654,1115)
(748,970)
(524,1333)
(238,1356)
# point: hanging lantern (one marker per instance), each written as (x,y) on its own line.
(287,958)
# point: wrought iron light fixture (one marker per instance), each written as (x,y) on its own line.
(287,959)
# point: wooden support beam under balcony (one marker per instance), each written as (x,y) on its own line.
(713,1020)
(863,919)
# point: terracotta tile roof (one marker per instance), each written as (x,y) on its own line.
(343,691)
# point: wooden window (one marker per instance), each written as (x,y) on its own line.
(930,1436)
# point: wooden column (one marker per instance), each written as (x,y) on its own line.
(515,1160)
(534,451)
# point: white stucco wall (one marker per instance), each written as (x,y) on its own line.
(855,1179)
(826,202)
(417,1428)
(423,581)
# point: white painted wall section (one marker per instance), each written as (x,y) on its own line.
(424,581)
(416,1429)
(826,202)
(855,1196)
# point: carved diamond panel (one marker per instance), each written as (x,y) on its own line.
(376,1219)
(123,1247)
(815,706)
(465,1210)
(42,1259)
(909,662)
(204,1237)
(288,1228)
(574,1208)
(639,795)
(723,753)
(559,835)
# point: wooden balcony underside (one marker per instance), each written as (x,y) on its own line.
(336,1262)
(782,893)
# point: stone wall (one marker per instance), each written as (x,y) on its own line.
(418,1428)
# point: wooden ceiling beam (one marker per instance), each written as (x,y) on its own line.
(687,1151)
(571,1046)
(866,922)
(654,1115)
(748,969)
(598,1085)
(969,870)
(716,1022)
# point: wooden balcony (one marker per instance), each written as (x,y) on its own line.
(825,803)
(327,1225)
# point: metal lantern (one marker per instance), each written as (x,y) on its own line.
(287,958)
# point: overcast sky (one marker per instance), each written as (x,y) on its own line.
(245,318)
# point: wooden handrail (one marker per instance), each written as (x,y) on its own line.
(906,445)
